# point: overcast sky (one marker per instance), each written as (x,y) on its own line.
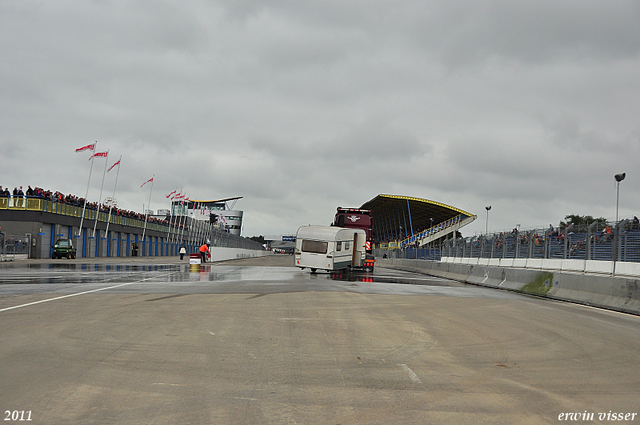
(302,106)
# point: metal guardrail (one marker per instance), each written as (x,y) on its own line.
(224,239)
(409,253)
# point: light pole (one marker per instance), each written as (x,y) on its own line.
(486,227)
(619,178)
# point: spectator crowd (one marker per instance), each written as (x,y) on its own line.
(37,192)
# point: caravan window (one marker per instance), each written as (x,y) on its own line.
(338,246)
(347,245)
(317,247)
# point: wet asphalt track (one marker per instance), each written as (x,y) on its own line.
(257,341)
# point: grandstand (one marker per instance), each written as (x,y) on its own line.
(400,221)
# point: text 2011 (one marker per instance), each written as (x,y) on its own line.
(17,415)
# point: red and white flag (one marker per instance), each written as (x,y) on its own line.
(102,154)
(111,168)
(88,147)
(169,195)
(150,180)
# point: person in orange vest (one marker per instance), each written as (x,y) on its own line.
(204,252)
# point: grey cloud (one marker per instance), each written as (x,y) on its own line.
(371,141)
(566,133)
(527,31)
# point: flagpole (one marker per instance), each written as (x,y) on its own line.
(200,226)
(86,193)
(182,219)
(173,225)
(170,222)
(191,224)
(176,229)
(146,215)
(170,216)
(113,196)
(176,236)
(104,173)
(176,226)
(196,224)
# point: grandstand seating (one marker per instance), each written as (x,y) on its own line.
(440,230)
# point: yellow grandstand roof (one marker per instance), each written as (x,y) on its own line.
(397,209)
(215,201)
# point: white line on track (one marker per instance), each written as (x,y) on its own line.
(79,293)
(411,373)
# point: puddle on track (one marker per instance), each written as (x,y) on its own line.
(83,273)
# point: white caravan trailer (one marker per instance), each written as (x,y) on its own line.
(330,248)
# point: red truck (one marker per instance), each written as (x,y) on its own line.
(355,218)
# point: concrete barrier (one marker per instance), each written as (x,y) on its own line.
(617,293)
(628,269)
(222,254)
(622,268)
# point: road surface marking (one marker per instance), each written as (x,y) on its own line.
(76,294)
(411,373)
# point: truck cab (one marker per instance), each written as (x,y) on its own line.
(356,218)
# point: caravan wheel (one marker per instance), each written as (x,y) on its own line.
(313,270)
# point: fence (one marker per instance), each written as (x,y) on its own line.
(409,253)
(223,239)
(596,241)
(11,245)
